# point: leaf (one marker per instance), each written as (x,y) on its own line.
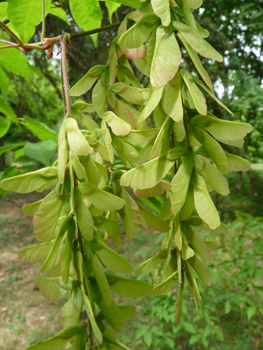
(60,13)
(60,340)
(127,311)
(167,57)
(195,40)
(80,341)
(213,148)
(172,102)
(118,126)
(189,327)
(197,62)
(162,10)
(86,13)
(212,95)
(131,3)
(111,227)
(151,104)
(112,7)
(50,288)
(84,218)
(130,215)
(140,137)
(86,83)
(8,112)
(76,140)
(180,183)
(126,152)
(128,287)
(4,126)
(187,252)
(41,151)
(99,95)
(40,130)
(3,77)
(31,181)
(32,208)
(179,304)
(196,95)
(46,218)
(8,148)
(3,7)
(236,163)
(151,264)
(165,287)
(25,15)
(136,35)
(204,204)
(111,259)
(101,280)
(195,4)
(177,233)
(35,253)
(68,241)
(201,270)
(151,173)
(157,190)
(62,153)
(215,178)
(107,141)
(100,199)
(92,318)
(132,94)
(15,62)
(151,221)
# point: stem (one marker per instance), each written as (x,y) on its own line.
(90,335)
(62,88)
(65,75)
(43,21)
(19,41)
(10,46)
(94,31)
(186,132)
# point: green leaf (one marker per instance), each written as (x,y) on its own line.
(107,141)
(140,137)
(177,232)
(130,215)
(25,15)
(215,178)
(86,13)
(86,83)
(112,6)
(236,163)
(84,218)
(128,287)
(50,288)
(151,104)
(187,252)
(180,183)
(155,191)
(127,311)
(195,40)
(101,280)
(4,126)
(62,153)
(136,35)
(151,264)
(8,148)
(40,130)
(162,10)
(76,140)
(60,340)
(4,80)
(167,56)
(111,259)
(197,62)
(3,7)
(196,95)
(31,181)
(131,3)
(201,270)
(60,13)
(92,318)
(223,128)
(80,341)
(41,151)
(204,204)
(150,174)
(117,125)
(212,95)
(68,241)
(111,227)
(195,4)
(100,199)
(172,102)
(251,311)
(46,218)
(131,94)
(70,313)
(179,304)
(8,112)
(14,61)
(165,287)
(35,253)
(213,148)
(189,327)
(151,221)
(32,208)
(99,95)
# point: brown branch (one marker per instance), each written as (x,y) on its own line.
(64,40)
(19,41)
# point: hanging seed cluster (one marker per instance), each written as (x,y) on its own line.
(96,166)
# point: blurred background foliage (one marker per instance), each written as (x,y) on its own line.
(30,101)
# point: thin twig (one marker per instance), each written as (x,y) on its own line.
(64,40)
(94,31)
(186,132)
(10,46)
(62,88)
(43,21)
(19,41)
(90,335)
